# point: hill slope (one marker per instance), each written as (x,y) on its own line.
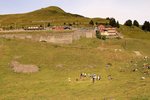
(59,63)
(134,32)
(52,14)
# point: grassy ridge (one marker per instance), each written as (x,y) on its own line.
(54,15)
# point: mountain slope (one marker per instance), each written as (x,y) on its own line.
(52,14)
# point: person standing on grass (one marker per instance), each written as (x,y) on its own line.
(98,77)
(94,78)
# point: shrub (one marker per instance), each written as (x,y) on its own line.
(103,37)
(98,35)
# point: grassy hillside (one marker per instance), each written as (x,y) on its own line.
(57,63)
(61,65)
(134,32)
(53,15)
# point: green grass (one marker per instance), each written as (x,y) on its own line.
(134,32)
(51,82)
(57,63)
(53,15)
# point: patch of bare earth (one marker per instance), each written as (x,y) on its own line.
(21,68)
(138,53)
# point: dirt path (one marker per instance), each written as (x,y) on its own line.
(21,68)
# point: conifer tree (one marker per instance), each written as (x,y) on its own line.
(128,23)
(91,22)
(135,23)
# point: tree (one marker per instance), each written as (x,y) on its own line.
(48,25)
(70,24)
(98,35)
(103,37)
(117,24)
(96,23)
(41,26)
(128,23)
(64,23)
(91,22)
(11,27)
(107,18)
(112,22)
(146,26)
(135,23)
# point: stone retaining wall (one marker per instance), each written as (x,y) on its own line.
(62,38)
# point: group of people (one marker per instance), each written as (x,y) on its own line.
(93,77)
(146,66)
(146,58)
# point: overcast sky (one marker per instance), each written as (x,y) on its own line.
(119,9)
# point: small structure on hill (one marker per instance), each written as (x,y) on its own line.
(108,31)
(34,28)
(60,28)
